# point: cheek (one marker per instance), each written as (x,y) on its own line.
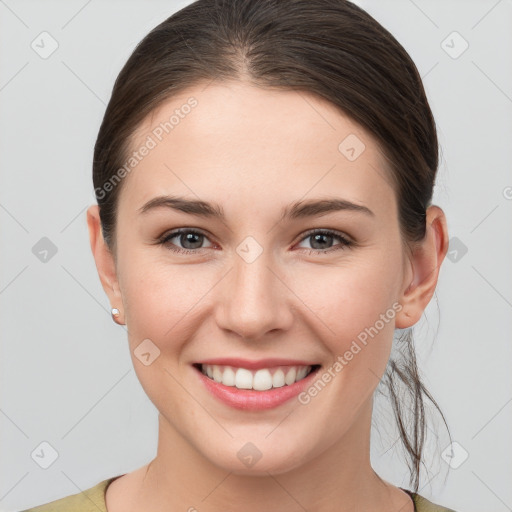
(161,299)
(354,314)
(351,296)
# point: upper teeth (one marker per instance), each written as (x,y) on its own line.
(259,380)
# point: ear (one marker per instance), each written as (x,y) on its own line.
(424,265)
(105,261)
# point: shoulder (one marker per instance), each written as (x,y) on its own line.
(90,500)
(424,505)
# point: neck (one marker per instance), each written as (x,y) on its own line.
(339,478)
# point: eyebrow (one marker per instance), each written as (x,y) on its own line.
(299,209)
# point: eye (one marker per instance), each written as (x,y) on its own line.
(191,240)
(321,241)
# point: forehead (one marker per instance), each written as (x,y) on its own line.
(235,138)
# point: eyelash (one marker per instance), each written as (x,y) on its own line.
(345,242)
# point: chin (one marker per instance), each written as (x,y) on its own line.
(253,461)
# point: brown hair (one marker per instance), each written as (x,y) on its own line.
(331,48)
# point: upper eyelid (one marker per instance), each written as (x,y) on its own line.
(328,231)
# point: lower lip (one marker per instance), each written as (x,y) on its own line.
(250,399)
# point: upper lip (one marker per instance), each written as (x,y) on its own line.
(255,365)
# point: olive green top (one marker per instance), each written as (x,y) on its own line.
(93,500)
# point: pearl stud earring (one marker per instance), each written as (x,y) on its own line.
(115,315)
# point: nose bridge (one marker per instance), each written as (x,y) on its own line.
(254,298)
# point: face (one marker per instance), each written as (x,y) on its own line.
(273,285)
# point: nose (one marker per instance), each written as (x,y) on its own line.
(254,299)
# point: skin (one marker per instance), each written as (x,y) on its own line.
(254,151)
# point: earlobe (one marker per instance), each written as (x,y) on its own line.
(425,261)
(104,259)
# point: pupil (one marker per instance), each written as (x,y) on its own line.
(189,238)
(317,238)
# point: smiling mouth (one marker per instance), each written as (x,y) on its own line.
(257,380)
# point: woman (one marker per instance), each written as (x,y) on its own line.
(264,175)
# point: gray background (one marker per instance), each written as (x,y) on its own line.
(65,373)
